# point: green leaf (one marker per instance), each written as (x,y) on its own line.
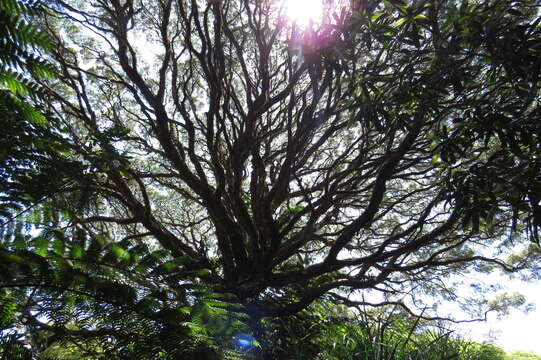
(8,307)
(58,246)
(400,22)
(40,244)
(77,251)
(377,16)
(202,272)
(119,253)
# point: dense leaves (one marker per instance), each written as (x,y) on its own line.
(497,129)
(523,355)
(118,300)
(330,332)
(197,169)
(32,161)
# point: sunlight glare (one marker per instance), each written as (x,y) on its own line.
(301,12)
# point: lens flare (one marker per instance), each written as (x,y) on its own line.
(302,12)
(243,342)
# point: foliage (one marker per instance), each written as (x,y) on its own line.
(328,332)
(119,300)
(33,164)
(523,355)
(505,173)
(483,351)
(364,154)
(204,168)
(20,60)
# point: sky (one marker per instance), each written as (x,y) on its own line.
(516,331)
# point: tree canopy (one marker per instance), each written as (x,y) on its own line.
(215,150)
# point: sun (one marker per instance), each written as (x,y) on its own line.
(302,12)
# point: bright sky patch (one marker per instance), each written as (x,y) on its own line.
(301,12)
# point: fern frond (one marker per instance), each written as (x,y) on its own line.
(99,288)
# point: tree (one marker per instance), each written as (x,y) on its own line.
(386,148)
(520,355)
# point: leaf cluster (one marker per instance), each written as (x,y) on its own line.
(118,300)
